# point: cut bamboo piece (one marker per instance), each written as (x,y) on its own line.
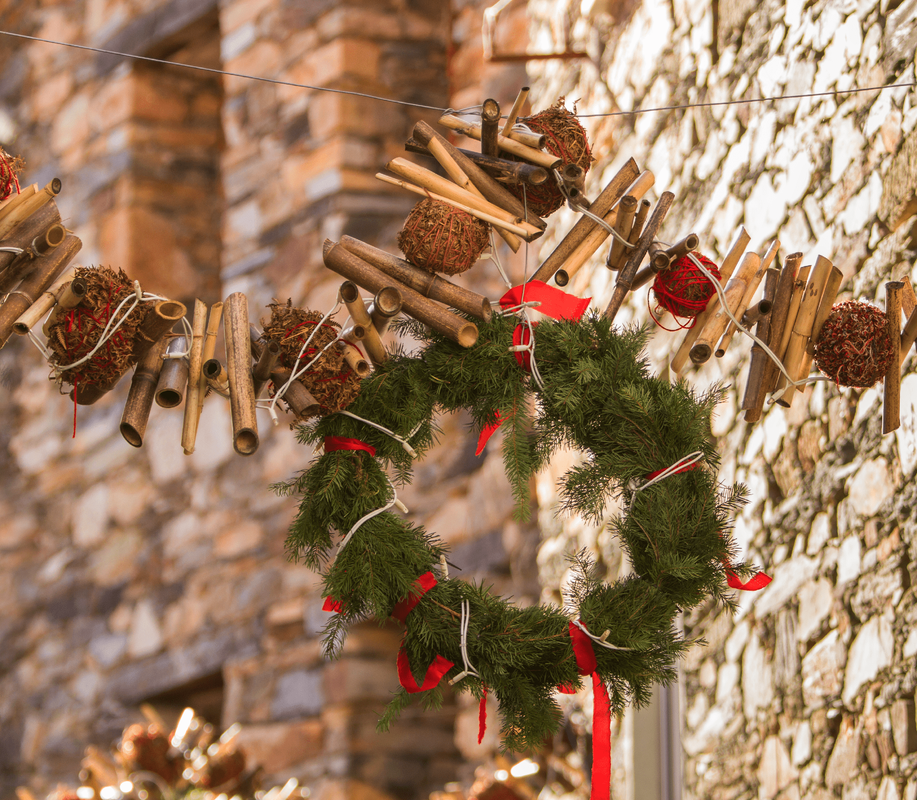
(780,316)
(758,311)
(14,200)
(29,206)
(661,258)
(891,405)
(429,285)
(734,292)
(639,221)
(680,360)
(173,377)
(616,188)
(515,110)
(140,396)
(51,296)
(908,335)
(239,367)
(385,307)
(195,390)
(47,269)
(426,311)
(753,284)
(214,318)
(624,222)
(507,145)
(825,306)
(908,298)
(354,358)
(358,313)
(799,287)
(753,399)
(69,298)
(573,178)
(268,356)
(14,267)
(500,169)
(300,399)
(42,244)
(216,376)
(520,133)
(490,122)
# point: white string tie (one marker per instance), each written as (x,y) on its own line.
(504,312)
(600,640)
(636,487)
(44,350)
(366,517)
(17,250)
(403,442)
(463,643)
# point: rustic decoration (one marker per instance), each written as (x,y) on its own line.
(853,347)
(440,238)
(683,290)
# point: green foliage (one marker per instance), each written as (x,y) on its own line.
(598,397)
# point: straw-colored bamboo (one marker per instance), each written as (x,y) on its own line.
(752,287)
(501,169)
(160,319)
(519,134)
(195,388)
(353,356)
(891,404)
(627,273)
(825,306)
(47,269)
(661,258)
(429,285)
(780,317)
(29,206)
(14,267)
(753,399)
(490,123)
(758,311)
(799,287)
(624,221)
(426,311)
(522,133)
(69,298)
(515,110)
(140,396)
(908,335)
(214,318)
(53,294)
(643,211)
(239,366)
(216,376)
(384,308)
(302,403)
(507,145)
(173,377)
(360,316)
(680,360)
(9,205)
(908,298)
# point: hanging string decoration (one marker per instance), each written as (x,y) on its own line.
(853,348)
(564,138)
(683,290)
(330,381)
(440,238)
(9,174)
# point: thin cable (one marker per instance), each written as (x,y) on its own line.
(599,640)
(404,443)
(365,518)
(463,644)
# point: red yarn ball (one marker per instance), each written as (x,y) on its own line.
(683,289)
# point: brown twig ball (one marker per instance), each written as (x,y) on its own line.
(853,348)
(440,238)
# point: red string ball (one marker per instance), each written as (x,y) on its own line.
(438,237)
(9,169)
(853,348)
(682,289)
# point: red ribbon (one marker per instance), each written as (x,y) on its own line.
(554,303)
(601,717)
(333,443)
(421,586)
(433,676)
(331,604)
(482,715)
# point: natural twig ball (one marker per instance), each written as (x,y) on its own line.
(683,290)
(438,237)
(853,348)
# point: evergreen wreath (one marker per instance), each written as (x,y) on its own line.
(597,396)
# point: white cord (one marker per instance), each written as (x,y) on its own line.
(16,250)
(599,640)
(636,487)
(407,447)
(463,644)
(366,517)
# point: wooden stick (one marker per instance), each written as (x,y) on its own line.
(195,389)
(629,270)
(47,269)
(239,367)
(891,405)
(753,400)
(731,329)
(908,298)
(501,169)
(519,133)
(61,288)
(300,399)
(267,355)
(624,221)
(680,360)
(490,121)
(515,110)
(779,317)
(358,313)
(616,188)
(363,274)
(799,287)
(354,358)
(507,144)
(140,396)
(173,377)
(908,335)
(36,226)
(29,206)
(384,308)
(429,285)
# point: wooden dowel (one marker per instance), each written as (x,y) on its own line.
(354,358)
(680,360)
(239,367)
(173,377)
(629,270)
(358,313)
(891,404)
(195,389)
(780,317)
(490,122)
(297,396)
(750,290)
(29,206)
(825,306)
(51,296)
(216,376)
(13,267)
(624,221)
(515,110)
(385,307)
(429,285)
(140,396)
(47,269)
(507,145)
(501,169)
(426,311)
(753,399)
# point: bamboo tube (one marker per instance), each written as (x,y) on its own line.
(31,316)
(360,316)
(627,273)
(507,145)
(729,264)
(624,221)
(716,324)
(515,110)
(173,377)
(519,133)
(731,329)
(47,269)
(29,206)
(586,236)
(24,263)
(799,286)
(891,404)
(53,237)
(446,188)
(216,376)
(302,403)
(268,356)
(753,400)
(574,182)
(758,311)
(780,317)
(908,335)
(214,318)
(385,307)
(354,358)
(661,258)
(239,366)
(639,221)
(21,237)
(908,298)
(596,238)
(490,122)
(140,396)
(500,169)
(70,298)
(9,205)
(825,306)
(429,285)
(426,311)
(195,389)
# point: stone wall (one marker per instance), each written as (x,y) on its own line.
(808,690)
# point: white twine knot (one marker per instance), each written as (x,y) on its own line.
(600,640)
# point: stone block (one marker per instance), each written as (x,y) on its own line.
(298,693)
(870,487)
(359,679)
(281,745)
(822,670)
(871,651)
(775,769)
(844,761)
(904,727)
(899,197)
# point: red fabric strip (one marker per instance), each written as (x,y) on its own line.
(522,336)
(686,468)
(554,303)
(755,583)
(582,649)
(601,714)
(333,443)
(434,675)
(486,432)
(332,605)
(482,716)
(421,586)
